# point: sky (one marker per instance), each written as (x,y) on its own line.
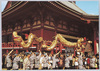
(3,4)
(90,7)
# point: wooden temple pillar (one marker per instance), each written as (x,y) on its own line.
(6,37)
(74,51)
(55,30)
(27,50)
(42,26)
(42,30)
(55,23)
(61,48)
(16,51)
(56,49)
(21,26)
(52,51)
(95,48)
(30,21)
(6,51)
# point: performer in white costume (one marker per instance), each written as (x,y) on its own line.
(37,60)
(92,62)
(26,63)
(55,60)
(32,60)
(15,62)
(45,62)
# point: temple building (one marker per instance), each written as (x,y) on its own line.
(46,19)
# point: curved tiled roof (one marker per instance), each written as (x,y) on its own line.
(64,5)
(16,6)
(73,6)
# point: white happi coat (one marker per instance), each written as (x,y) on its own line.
(92,62)
(32,59)
(80,60)
(45,61)
(26,63)
(67,61)
(41,61)
(81,67)
(8,60)
(50,59)
(49,66)
(70,57)
(15,62)
(37,61)
(55,61)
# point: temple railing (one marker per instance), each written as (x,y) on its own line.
(11,45)
(16,45)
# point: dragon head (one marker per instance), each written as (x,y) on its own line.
(16,37)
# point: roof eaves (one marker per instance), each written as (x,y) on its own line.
(6,6)
(12,8)
(90,17)
(72,7)
(79,8)
(82,14)
(67,7)
(9,9)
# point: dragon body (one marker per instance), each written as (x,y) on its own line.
(58,37)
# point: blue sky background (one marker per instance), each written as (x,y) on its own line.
(90,7)
(3,4)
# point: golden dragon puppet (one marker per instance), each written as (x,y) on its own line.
(78,45)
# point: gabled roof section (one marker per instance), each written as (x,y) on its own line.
(8,5)
(13,8)
(73,6)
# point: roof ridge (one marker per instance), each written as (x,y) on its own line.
(79,8)
(73,6)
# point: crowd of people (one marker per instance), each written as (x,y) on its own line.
(43,60)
